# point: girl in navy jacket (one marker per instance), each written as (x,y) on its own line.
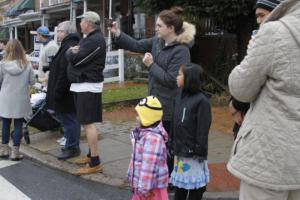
(192,119)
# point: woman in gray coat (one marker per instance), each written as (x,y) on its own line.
(16,75)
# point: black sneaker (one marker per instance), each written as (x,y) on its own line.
(69,153)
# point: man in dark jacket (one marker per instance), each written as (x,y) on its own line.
(59,97)
(86,74)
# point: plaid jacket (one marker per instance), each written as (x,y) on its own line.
(148,166)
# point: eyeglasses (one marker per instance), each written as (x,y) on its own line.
(144,101)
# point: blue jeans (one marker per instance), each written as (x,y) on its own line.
(71,128)
(18,125)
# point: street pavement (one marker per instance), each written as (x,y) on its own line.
(115,149)
(28,180)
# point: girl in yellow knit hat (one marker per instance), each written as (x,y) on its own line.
(148,170)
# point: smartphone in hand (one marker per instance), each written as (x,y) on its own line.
(108,22)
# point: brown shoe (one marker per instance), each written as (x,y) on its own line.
(82,160)
(89,170)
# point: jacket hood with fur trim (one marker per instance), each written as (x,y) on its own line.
(188,34)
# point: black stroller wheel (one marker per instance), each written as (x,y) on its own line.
(26,135)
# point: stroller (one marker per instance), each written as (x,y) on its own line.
(41,118)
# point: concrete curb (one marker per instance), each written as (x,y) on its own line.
(68,167)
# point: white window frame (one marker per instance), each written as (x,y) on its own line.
(54,2)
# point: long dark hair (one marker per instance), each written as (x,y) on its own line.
(193,77)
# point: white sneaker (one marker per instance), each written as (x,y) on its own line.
(63,142)
(60,139)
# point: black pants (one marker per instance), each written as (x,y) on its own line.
(183,194)
(170,158)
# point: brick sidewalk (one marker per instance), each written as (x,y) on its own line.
(221,180)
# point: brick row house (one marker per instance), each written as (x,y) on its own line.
(20,17)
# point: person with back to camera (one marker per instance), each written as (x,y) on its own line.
(16,74)
(164,54)
(148,170)
(189,142)
(266,153)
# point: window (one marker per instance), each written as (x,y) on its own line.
(54,2)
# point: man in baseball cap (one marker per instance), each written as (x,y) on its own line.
(48,50)
(44,31)
(87,61)
(91,17)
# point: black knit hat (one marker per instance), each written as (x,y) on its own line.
(267,4)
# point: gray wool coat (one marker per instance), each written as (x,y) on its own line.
(14,92)
(167,61)
(266,152)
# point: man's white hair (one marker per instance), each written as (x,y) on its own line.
(67,27)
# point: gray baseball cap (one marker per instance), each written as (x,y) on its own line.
(91,16)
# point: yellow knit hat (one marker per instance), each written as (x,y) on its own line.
(149,110)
